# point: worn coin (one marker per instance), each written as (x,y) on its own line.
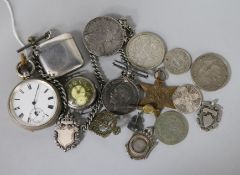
(146,50)
(103,36)
(120,97)
(177,61)
(210,71)
(187,98)
(171,127)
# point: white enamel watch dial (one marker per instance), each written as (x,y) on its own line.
(34,104)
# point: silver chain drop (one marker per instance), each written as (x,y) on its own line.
(52,80)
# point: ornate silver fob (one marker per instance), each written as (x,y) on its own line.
(104,124)
(67,133)
(141,144)
(209,115)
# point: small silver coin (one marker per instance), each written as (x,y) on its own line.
(187,98)
(171,127)
(209,115)
(210,71)
(146,50)
(103,36)
(177,61)
(120,97)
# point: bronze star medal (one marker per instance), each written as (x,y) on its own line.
(157,96)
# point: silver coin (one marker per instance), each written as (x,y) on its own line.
(103,36)
(171,127)
(146,50)
(177,61)
(210,71)
(120,97)
(187,98)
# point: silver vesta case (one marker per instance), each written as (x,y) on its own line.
(60,55)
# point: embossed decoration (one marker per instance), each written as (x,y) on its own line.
(103,36)
(67,134)
(140,145)
(210,71)
(157,95)
(209,115)
(187,98)
(104,124)
(146,50)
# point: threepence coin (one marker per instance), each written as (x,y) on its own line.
(210,71)
(171,127)
(177,61)
(187,98)
(103,36)
(120,97)
(146,50)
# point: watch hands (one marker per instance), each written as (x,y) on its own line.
(35,101)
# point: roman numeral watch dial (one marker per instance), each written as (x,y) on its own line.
(34,104)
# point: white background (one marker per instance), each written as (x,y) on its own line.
(198,26)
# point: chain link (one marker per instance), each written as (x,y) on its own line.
(98,104)
(100,77)
(52,80)
(97,70)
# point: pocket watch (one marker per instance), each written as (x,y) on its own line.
(81,92)
(34,104)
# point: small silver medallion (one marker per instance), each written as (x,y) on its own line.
(67,133)
(177,61)
(187,98)
(141,144)
(209,115)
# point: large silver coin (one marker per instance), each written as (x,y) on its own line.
(171,127)
(146,50)
(177,61)
(210,71)
(120,97)
(187,98)
(103,36)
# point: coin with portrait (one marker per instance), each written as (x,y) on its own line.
(120,97)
